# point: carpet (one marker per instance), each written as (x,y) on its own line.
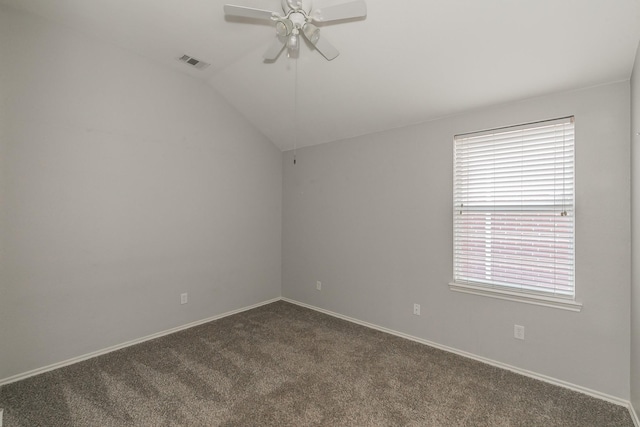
(285,365)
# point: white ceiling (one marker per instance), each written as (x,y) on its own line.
(408,62)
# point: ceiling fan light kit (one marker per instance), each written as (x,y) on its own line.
(284,27)
(297,17)
(311,32)
(293,44)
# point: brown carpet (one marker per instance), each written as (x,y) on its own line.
(284,365)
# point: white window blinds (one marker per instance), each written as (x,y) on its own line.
(514,208)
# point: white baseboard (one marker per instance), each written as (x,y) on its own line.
(73,360)
(634,416)
(551,380)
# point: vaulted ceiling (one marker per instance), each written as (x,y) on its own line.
(408,62)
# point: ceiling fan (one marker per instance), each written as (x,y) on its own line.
(298,16)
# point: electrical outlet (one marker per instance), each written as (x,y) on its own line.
(416,309)
(518,332)
(319,285)
(184,298)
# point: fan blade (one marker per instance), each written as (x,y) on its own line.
(274,50)
(348,10)
(312,33)
(326,49)
(249,12)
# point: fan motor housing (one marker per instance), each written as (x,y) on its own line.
(304,5)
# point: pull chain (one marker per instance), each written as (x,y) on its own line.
(295,111)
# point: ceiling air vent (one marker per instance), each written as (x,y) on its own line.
(196,63)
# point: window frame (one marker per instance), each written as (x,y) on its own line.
(515,292)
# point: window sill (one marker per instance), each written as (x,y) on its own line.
(542,300)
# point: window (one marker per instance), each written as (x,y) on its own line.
(514,211)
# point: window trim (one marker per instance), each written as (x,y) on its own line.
(522,297)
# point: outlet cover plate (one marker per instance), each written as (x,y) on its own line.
(518,332)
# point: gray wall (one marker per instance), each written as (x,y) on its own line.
(371,218)
(635,234)
(122,185)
